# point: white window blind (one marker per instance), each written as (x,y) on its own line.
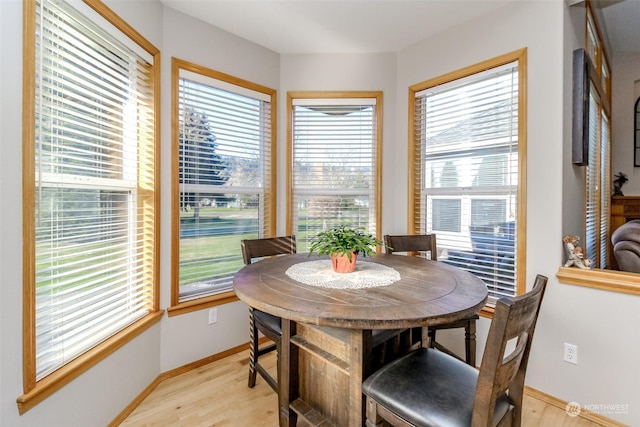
(592,222)
(334,170)
(94,193)
(597,184)
(466,169)
(224,170)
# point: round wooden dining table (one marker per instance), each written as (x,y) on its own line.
(328,332)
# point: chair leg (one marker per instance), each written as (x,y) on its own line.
(414,338)
(373,418)
(405,341)
(278,377)
(470,343)
(253,349)
(432,338)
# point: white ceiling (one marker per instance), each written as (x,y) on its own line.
(334,26)
(360,26)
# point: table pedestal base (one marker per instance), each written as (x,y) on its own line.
(332,363)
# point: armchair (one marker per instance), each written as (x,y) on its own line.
(626,246)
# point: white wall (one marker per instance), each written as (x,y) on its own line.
(100,394)
(506,30)
(3,36)
(9,359)
(598,322)
(602,324)
(189,337)
(2,29)
(573,176)
(343,72)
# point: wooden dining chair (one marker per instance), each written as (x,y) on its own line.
(428,387)
(416,244)
(259,321)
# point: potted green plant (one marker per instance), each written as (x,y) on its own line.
(343,244)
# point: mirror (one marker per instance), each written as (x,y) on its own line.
(623,34)
(620,37)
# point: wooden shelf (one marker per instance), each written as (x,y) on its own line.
(315,350)
(310,415)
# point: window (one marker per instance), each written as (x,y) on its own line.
(334,172)
(89,189)
(467,149)
(597,52)
(598,171)
(223,179)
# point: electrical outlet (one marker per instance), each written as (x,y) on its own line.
(213,315)
(571,353)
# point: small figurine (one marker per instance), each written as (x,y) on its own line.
(576,253)
(618,183)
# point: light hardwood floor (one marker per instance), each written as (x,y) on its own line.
(217,395)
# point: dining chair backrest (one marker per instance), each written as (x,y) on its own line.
(514,319)
(260,321)
(412,244)
(430,387)
(269,246)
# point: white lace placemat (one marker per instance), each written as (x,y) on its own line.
(320,273)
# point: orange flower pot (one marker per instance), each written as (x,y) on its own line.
(341,263)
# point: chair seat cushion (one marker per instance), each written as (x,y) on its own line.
(429,388)
(269,321)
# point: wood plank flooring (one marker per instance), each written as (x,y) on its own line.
(217,395)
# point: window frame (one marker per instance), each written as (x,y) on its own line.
(414,179)
(37,390)
(328,95)
(209,300)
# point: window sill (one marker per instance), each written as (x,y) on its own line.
(487,311)
(606,280)
(202,303)
(56,380)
